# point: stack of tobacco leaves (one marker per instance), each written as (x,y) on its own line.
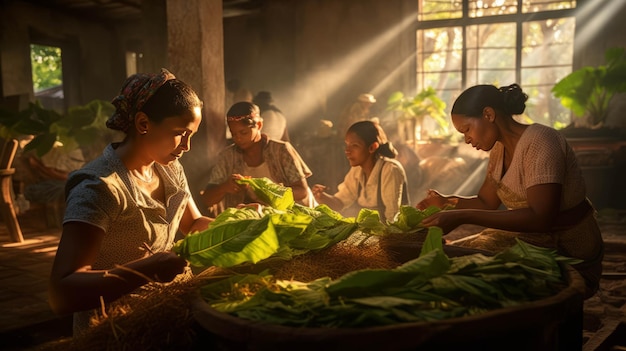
(429,288)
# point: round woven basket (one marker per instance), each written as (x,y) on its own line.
(553,323)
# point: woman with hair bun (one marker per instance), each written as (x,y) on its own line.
(375,180)
(533,172)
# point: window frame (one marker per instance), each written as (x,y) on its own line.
(519,19)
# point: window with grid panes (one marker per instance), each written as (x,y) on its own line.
(461,43)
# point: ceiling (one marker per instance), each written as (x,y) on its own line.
(124,10)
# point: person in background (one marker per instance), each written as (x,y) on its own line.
(235,92)
(254,154)
(375,180)
(532,171)
(274,122)
(359,110)
(125,208)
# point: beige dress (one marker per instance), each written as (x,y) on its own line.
(355,193)
(543,156)
(105,195)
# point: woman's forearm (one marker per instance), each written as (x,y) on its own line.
(469,202)
(83,289)
(213,194)
(330,200)
(299,191)
(518,220)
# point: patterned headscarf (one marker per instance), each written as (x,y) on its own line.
(135,92)
(252,116)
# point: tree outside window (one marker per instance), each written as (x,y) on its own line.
(47,75)
(461,43)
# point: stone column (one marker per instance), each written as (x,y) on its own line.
(196,55)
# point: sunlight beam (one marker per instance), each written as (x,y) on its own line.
(599,13)
(331,79)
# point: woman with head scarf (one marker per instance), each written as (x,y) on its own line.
(124,209)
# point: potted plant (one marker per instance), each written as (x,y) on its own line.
(588,91)
(81,127)
(413,110)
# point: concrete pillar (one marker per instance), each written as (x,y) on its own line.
(195,54)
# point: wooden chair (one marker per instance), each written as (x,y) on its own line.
(6,183)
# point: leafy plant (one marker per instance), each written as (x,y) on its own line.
(81,127)
(588,90)
(415,109)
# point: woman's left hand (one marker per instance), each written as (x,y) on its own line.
(446,220)
(317,191)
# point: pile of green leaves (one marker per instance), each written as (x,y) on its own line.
(245,235)
(282,229)
(430,288)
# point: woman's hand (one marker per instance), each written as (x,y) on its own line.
(232,187)
(164,266)
(434,198)
(318,191)
(446,220)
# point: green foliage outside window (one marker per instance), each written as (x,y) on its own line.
(46,66)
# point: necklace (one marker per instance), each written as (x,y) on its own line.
(144,178)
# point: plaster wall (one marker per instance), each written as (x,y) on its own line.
(316,57)
(93,54)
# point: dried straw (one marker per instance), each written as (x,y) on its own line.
(356,253)
(159,316)
(155,317)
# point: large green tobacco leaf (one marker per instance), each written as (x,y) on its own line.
(231,242)
(272,194)
(250,234)
(245,235)
(433,241)
(410,218)
(369,222)
(324,237)
(251,239)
